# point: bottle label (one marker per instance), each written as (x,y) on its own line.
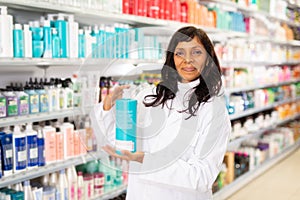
(34,103)
(2,107)
(53,99)
(12,106)
(69,100)
(24,105)
(32,148)
(41,153)
(20,154)
(44,103)
(124,145)
(80,195)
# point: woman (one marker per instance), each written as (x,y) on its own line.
(183,125)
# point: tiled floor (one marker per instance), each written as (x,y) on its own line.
(281,182)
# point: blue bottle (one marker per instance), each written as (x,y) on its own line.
(34,100)
(6,140)
(81,44)
(20,150)
(43,97)
(63,33)
(32,146)
(55,44)
(126,124)
(41,148)
(18,41)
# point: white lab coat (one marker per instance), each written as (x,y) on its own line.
(186,170)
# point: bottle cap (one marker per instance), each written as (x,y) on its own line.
(18,26)
(3,10)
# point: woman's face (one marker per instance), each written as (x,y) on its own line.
(190,58)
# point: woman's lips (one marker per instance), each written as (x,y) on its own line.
(189,69)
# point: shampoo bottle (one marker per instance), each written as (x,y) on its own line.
(41,148)
(18,41)
(32,147)
(126,124)
(6,140)
(73,36)
(6,34)
(27,42)
(49,133)
(20,151)
(47,40)
(63,33)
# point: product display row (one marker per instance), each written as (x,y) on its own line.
(92,180)
(43,144)
(19,99)
(253,153)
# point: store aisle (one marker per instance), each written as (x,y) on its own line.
(281,182)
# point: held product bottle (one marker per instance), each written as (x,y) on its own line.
(20,153)
(27,42)
(32,146)
(6,34)
(126,124)
(18,41)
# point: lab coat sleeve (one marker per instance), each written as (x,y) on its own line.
(199,169)
(103,123)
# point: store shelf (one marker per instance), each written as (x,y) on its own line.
(241,63)
(88,16)
(112,194)
(257,110)
(8,121)
(237,141)
(53,167)
(248,88)
(229,5)
(240,182)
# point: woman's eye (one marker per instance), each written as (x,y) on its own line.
(196,52)
(179,53)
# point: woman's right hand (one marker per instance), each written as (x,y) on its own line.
(110,100)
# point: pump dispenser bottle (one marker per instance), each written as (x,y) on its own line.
(6,34)
(20,153)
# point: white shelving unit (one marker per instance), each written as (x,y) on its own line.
(257,110)
(237,141)
(90,16)
(249,11)
(241,181)
(49,168)
(254,87)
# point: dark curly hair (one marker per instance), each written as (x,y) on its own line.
(210,77)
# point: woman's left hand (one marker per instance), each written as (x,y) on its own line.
(125,155)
